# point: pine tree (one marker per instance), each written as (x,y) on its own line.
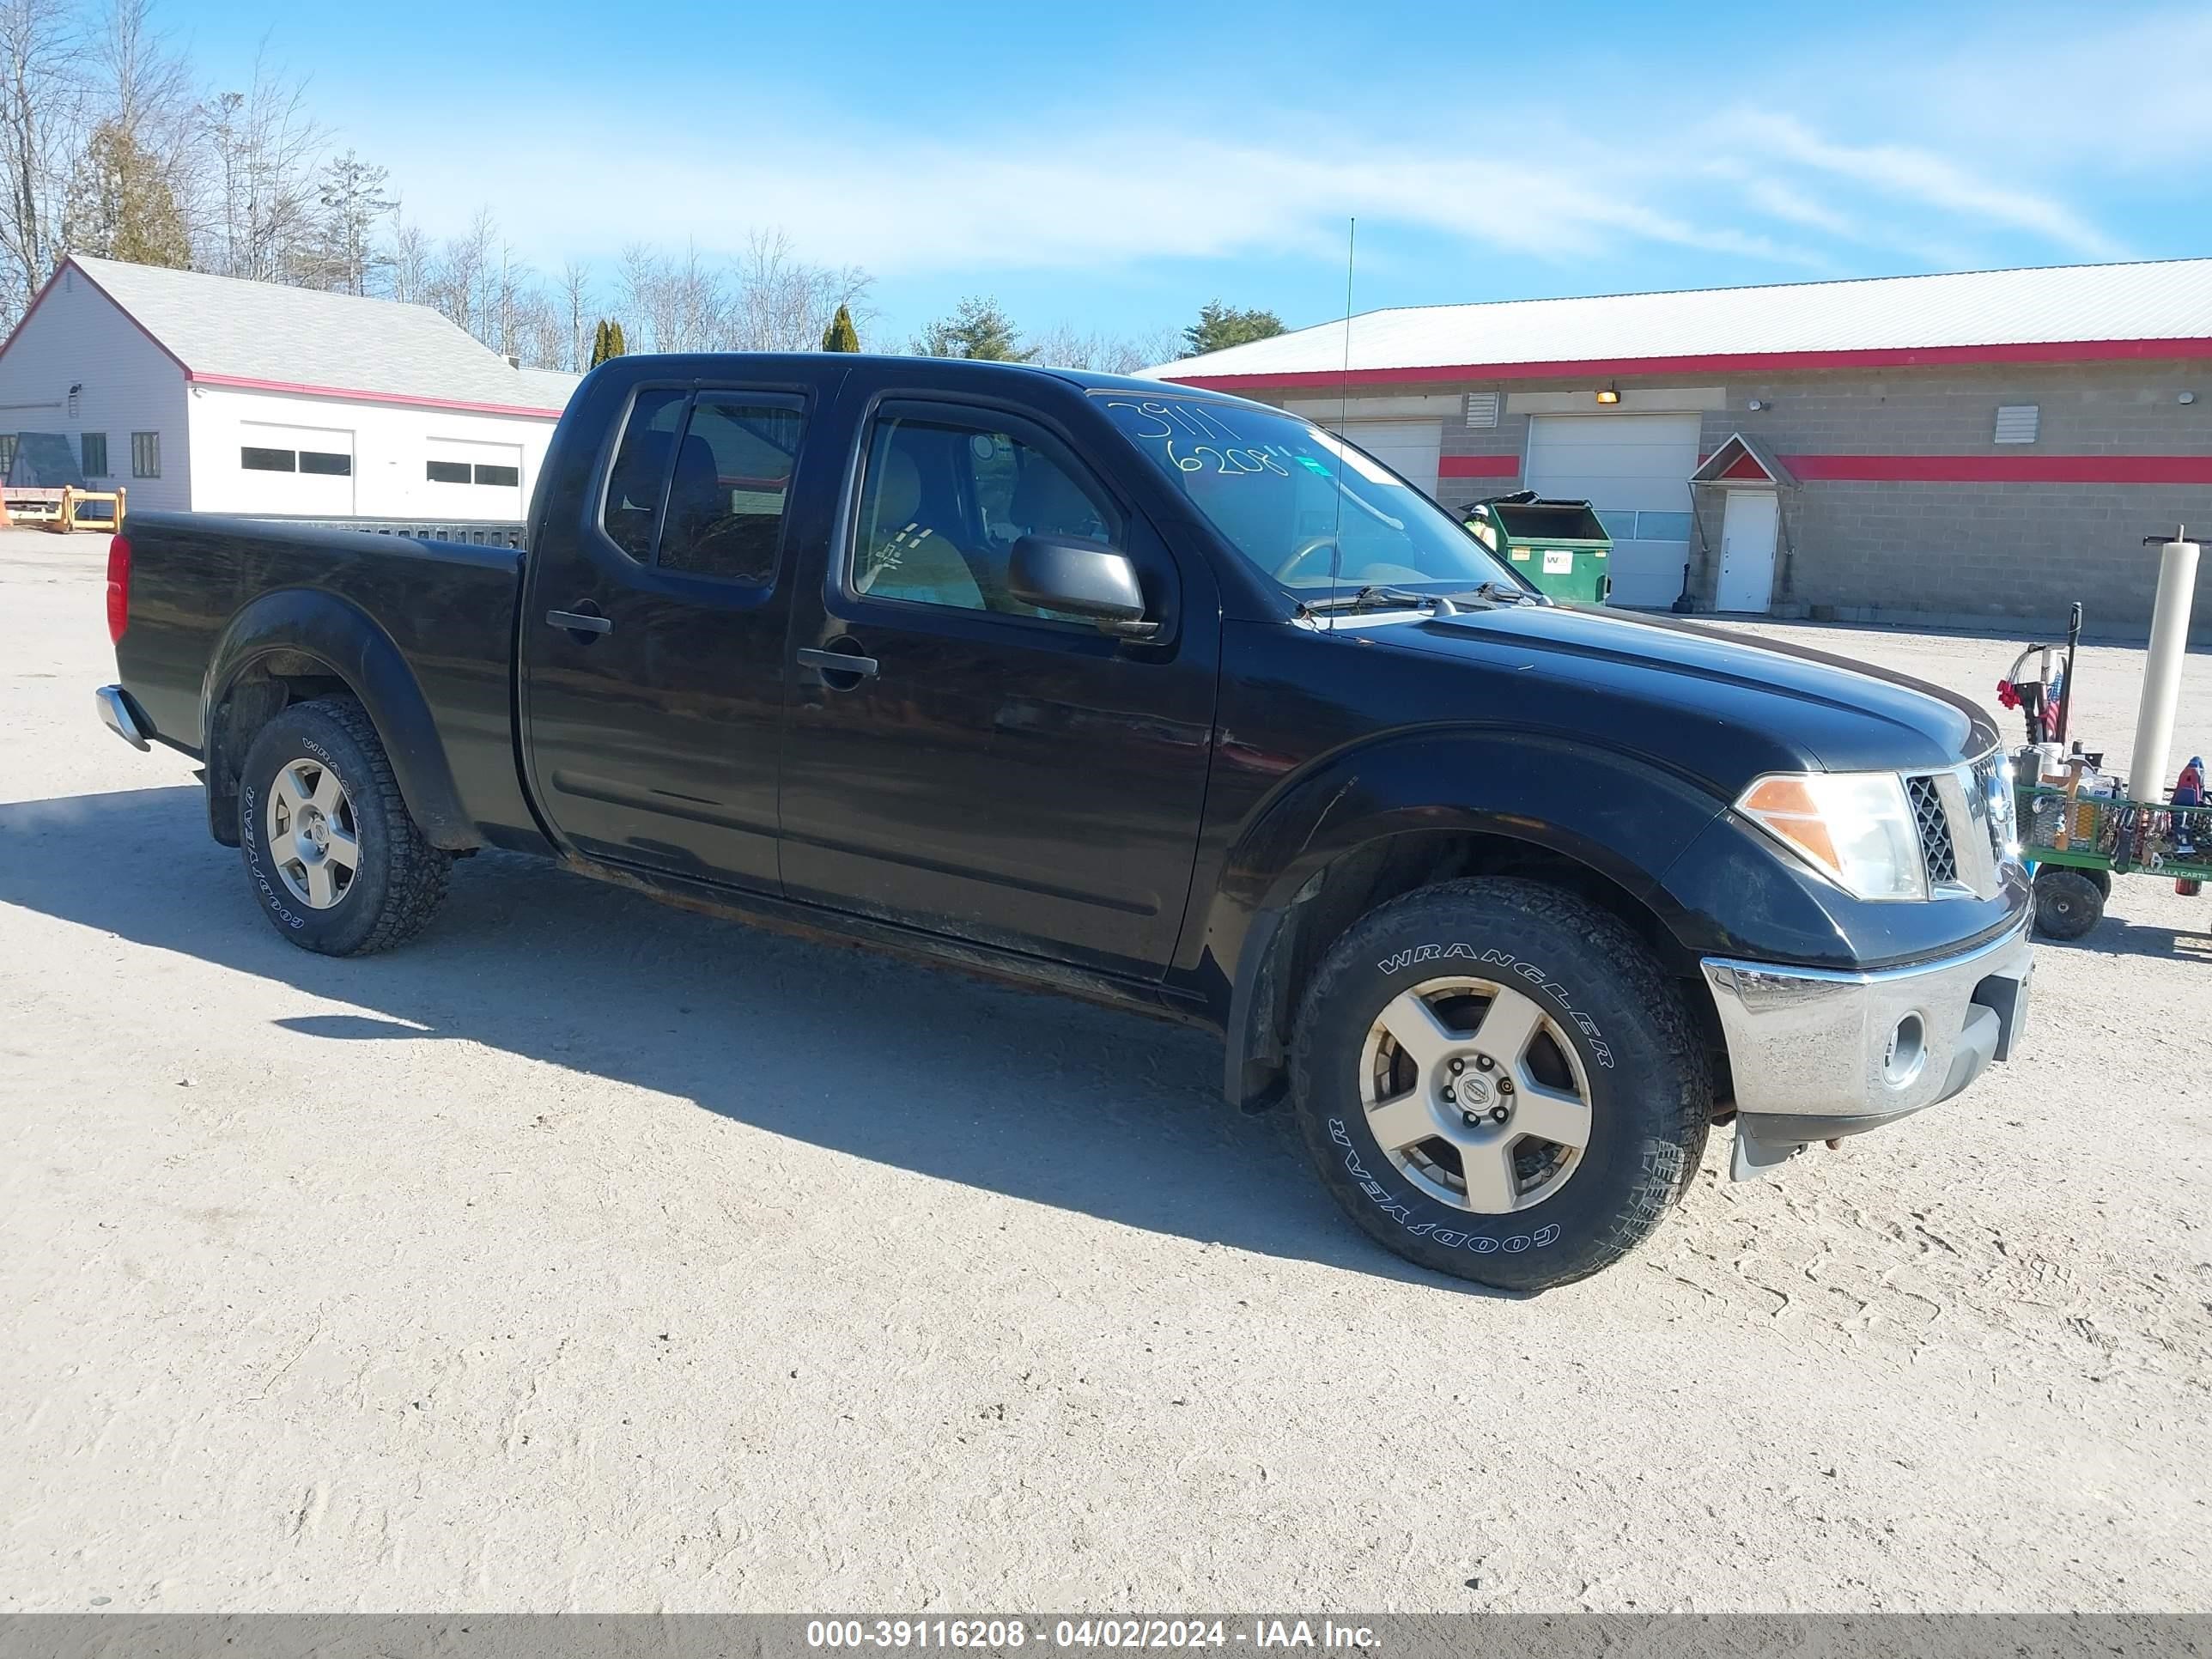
(122,208)
(607,341)
(841,335)
(977,328)
(1220,326)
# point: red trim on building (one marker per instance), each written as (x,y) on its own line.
(1479,466)
(71,264)
(2026,351)
(2003,469)
(244,384)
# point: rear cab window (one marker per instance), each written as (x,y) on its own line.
(699,483)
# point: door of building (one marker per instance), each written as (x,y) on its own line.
(1748,524)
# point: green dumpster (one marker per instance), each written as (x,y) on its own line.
(1561,546)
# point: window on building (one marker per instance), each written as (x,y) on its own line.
(447,472)
(326,463)
(946,498)
(93,447)
(725,515)
(7,453)
(268,460)
(504,477)
(145,454)
(638,481)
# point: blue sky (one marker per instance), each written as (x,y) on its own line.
(1112,165)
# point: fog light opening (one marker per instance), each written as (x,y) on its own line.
(1908,1049)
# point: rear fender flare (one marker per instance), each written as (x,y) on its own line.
(344,641)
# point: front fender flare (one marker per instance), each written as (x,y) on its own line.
(344,641)
(1624,817)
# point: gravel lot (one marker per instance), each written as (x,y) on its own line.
(592,1254)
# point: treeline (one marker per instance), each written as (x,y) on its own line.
(112,145)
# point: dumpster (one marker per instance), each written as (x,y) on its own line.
(1561,546)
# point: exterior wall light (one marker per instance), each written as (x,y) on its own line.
(1610,394)
(2187,397)
(1755,406)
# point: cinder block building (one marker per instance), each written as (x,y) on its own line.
(209,394)
(1946,449)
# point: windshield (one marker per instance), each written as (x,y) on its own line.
(1305,507)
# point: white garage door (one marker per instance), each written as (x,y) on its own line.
(464,479)
(302,470)
(1635,470)
(1406,447)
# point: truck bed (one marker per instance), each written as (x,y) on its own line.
(203,586)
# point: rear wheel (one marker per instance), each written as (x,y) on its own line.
(1496,1081)
(2068,902)
(337,864)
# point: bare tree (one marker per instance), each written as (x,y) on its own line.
(144,87)
(642,284)
(352,193)
(42,104)
(783,303)
(1067,347)
(261,148)
(461,283)
(406,261)
(575,305)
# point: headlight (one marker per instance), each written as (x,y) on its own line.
(1855,827)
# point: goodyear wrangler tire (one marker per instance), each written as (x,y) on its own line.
(337,865)
(1496,1081)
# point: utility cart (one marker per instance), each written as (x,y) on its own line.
(2078,842)
(2080,826)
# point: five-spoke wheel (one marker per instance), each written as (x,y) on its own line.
(312,839)
(1475,1094)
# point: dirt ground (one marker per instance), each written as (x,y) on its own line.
(590,1254)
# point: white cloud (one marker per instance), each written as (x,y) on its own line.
(1984,156)
(1921,178)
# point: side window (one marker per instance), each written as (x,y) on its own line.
(639,477)
(726,497)
(946,498)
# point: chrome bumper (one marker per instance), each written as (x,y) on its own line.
(1817,1054)
(115,714)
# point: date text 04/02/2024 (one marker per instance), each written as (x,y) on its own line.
(988,1634)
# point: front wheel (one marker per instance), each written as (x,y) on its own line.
(338,865)
(1496,1081)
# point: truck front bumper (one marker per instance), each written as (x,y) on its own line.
(1817,1054)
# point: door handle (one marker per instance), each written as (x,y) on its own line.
(835,665)
(582,625)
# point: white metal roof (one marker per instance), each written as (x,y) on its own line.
(224,329)
(2169,299)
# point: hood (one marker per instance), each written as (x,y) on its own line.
(1830,712)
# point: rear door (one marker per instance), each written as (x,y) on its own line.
(654,633)
(986,771)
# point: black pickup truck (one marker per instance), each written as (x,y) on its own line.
(1152,696)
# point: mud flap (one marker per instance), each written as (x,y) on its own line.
(1753,1157)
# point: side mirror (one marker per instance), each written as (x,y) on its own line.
(1080,579)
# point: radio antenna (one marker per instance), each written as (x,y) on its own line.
(1343,410)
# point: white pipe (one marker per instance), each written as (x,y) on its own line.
(2161,692)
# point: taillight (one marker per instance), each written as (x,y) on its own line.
(118,589)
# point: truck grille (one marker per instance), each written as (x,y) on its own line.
(1937,850)
(1965,820)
